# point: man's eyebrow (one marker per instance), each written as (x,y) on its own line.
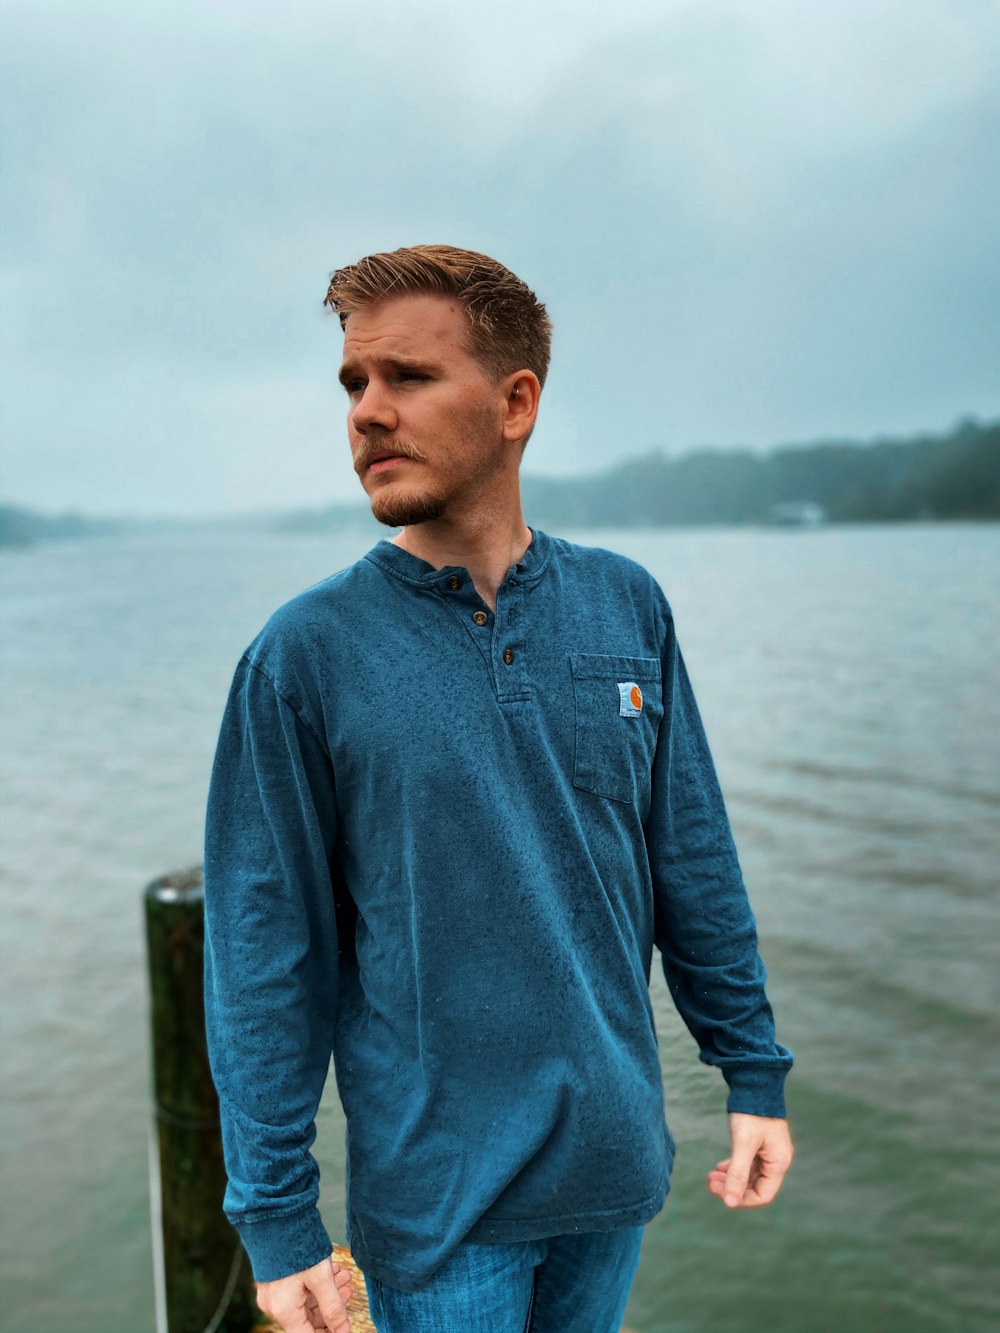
(349,372)
(409,363)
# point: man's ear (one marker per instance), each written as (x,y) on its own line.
(521,394)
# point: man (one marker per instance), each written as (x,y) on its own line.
(461,790)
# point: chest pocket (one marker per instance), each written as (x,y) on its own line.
(619,707)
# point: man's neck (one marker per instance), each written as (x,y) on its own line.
(486,547)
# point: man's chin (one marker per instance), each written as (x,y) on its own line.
(404,511)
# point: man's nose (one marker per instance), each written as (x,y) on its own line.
(374,407)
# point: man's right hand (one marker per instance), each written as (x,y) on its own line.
(306,1302)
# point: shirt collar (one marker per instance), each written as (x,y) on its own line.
(411,569)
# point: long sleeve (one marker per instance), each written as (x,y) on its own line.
(703,924)
(270,967)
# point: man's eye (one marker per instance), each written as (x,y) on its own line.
(411,375)
(354,386)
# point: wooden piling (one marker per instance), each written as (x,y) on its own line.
(205,1283)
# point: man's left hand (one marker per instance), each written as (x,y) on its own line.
(761,1154)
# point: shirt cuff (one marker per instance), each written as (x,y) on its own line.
(284,1243)
(757,1091)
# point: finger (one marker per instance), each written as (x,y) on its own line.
(754,1199)
(312,1304)
(766,1188)
(316,1320)
(718,1172)
(332,1322)
(323,1286)
(738,1174)
(320,1324)
(769,1178)
(337,1320)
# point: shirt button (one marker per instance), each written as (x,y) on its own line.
(480,617)
(508,656)
(454,583)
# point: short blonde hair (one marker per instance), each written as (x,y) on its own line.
(509,328)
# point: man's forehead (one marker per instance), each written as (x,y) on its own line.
(418,321)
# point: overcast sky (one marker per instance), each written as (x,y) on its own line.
(753,222)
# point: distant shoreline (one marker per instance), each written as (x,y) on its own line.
(924,478)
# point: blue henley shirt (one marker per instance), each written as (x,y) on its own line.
(441,843)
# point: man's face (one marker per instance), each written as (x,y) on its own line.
(424,419)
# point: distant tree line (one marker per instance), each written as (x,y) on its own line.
(23,527)
(951,476)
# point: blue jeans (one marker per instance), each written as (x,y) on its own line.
(565,1284)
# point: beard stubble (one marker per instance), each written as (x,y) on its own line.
(397,510)
(401,510)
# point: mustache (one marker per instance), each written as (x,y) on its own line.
(380,442)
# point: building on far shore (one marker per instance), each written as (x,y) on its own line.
(797,514)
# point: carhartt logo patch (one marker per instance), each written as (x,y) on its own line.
(631,698)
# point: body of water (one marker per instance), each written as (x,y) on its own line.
(849,682)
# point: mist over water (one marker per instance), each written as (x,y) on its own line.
(850,695)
